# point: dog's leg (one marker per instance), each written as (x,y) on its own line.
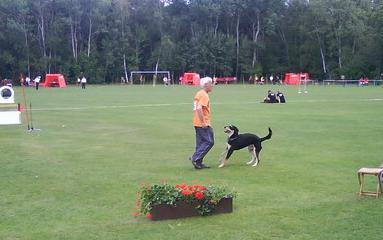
(257,158)
(223,155)
(228,154)
(251,149)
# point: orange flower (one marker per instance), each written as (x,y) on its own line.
(213,202)
(182,186)
(136,214)
(199,187)
(149,216)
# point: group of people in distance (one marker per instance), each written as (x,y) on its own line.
(27,82)
(82,81)
(274,97)
(273,79)
(363,81)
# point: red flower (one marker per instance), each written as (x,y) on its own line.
(199,195)
(186,192)
(149,216)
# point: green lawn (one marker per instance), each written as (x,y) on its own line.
(78,177)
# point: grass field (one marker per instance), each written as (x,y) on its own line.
(77,178)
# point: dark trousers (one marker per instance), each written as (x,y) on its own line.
(204,142)
(37,85)
(83,85)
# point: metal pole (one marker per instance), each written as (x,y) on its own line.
(25,100)
(30,112)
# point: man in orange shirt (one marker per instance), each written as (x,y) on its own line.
(202,125)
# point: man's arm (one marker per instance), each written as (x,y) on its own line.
(200,115)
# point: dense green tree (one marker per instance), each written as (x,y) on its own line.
(106,39)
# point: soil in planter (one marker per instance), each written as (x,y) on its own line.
(183,210)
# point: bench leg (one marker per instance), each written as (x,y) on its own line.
(360,178)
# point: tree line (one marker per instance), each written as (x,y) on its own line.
(107,39)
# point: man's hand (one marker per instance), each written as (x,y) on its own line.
(200,116)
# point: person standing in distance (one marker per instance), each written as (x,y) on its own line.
(202,123)
(27,81)
(37,82)
(83,82)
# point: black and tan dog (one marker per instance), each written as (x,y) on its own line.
(238,141)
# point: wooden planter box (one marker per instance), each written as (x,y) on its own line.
(183,210)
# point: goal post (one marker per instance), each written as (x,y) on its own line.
(302,81)
(139,77)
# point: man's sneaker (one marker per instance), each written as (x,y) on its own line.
(196,165)
(204,165)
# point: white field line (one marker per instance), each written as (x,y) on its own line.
(180,104)
(109,107)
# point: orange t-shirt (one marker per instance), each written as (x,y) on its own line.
(202,99)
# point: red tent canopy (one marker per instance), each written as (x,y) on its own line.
(295,78)
(190,79)
(54,80)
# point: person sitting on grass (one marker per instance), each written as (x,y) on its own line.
(270,98)
(280,97)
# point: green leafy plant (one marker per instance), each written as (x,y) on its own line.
(205,198)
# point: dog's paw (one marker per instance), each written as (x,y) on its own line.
(255,164)
(222,163)
(250,162)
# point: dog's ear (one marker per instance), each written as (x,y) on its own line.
(234,128)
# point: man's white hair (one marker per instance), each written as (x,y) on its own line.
(205,80)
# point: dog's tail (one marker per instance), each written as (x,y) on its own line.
(268,135)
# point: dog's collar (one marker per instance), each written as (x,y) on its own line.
(233,138)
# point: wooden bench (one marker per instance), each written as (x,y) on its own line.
(377,172)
